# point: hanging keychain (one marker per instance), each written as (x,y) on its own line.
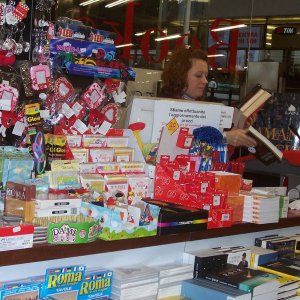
(25,45)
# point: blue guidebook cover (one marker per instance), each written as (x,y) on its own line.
(192,288)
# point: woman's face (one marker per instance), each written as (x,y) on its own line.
(196,78)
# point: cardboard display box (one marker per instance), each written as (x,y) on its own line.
(124,221)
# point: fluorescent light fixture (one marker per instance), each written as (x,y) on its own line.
(124,45)
(169,37)
(229,27)
(116,3)
(215,55)
(269,44)
(85,3)
(142,33)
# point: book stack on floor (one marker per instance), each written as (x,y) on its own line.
(137,282)
(261,209)
(170,279)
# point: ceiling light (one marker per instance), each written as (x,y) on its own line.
(89,2)
(229,27)
(124,45)
(215,55)
(142,33)
(169,37)
(116,3)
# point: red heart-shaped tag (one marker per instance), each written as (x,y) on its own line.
(63,89)
(67,123)
(110,112)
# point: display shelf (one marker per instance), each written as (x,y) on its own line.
(49,252)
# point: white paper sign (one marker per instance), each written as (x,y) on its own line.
(156,113)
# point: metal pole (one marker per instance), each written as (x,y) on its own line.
(186,21)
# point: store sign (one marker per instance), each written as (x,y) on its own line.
(286,30)
(250,37)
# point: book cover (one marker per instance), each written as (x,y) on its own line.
(281,269)
(260,256)
(275,118)
(209,261)
(284,247)
(264,241)
(193,288)
(258,240)
(246,279)
(265,151)
(251,104)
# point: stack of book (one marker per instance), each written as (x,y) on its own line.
(170,279)
(137,282)
(229,266)
(287,288)
(260,256)
(195,289)
(282,269)
(260,209)
(285,246)
(260,284)
(280,191)
(214,258)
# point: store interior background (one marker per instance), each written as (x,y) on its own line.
(277,53)
(265,51)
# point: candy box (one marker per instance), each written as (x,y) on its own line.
(229,182)
(177,218)
(16,237)
(76,30)
(19,200)
(219,218)
(69,229)
(167,189)
(123,221)
(236,202)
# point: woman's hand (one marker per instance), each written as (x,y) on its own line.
(238,138)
